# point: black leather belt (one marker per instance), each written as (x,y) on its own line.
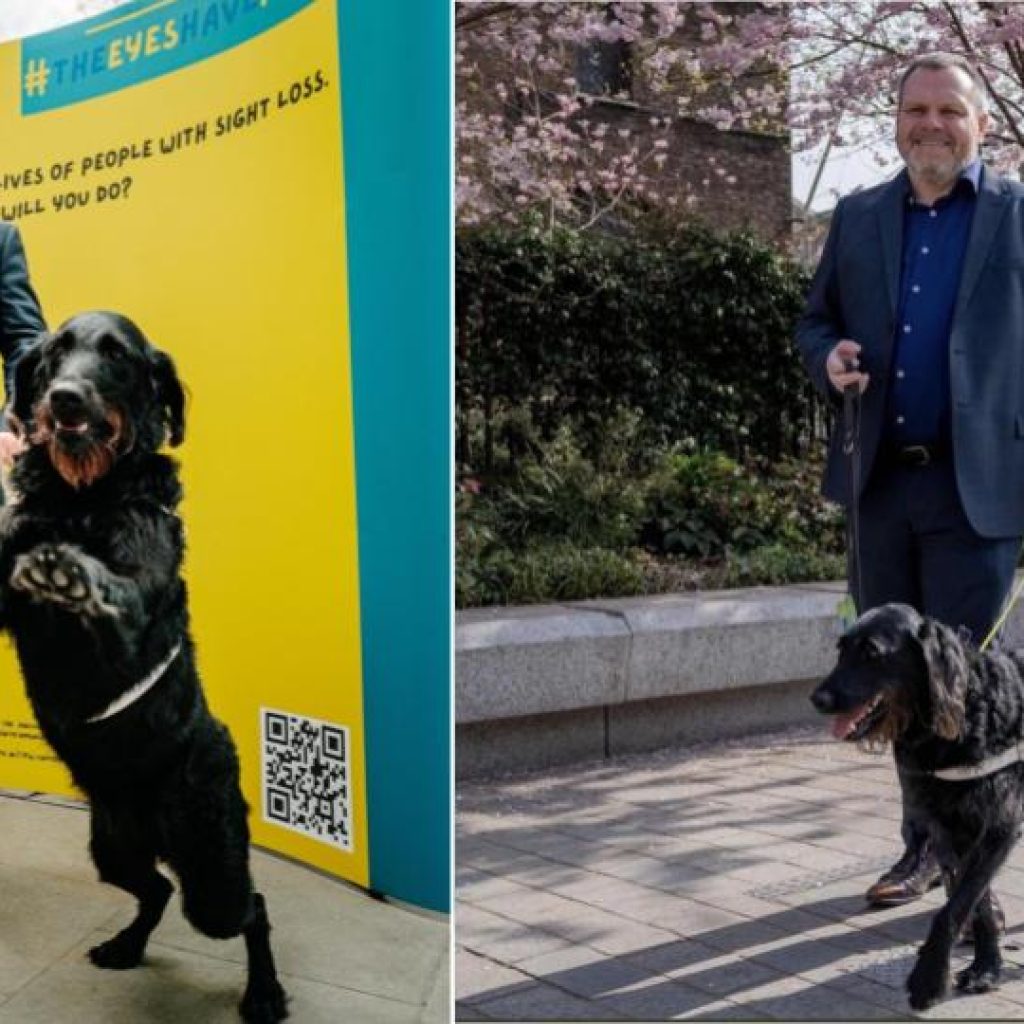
(913,454)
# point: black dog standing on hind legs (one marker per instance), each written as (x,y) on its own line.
(91,592)
(956,718)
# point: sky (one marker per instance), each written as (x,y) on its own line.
(845,171)
(25,17)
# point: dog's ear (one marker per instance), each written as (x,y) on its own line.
(171,396)
(23,397)
(947,674)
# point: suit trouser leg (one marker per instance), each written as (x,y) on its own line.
(918,547)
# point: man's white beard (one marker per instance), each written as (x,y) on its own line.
(937,171)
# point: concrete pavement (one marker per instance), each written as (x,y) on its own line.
(716,883)
(342,956)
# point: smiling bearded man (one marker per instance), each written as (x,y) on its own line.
(918,302)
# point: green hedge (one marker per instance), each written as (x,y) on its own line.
(691,330)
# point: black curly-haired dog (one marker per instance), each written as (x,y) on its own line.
(92,594)
(911,680)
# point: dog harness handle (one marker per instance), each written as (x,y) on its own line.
(991,765)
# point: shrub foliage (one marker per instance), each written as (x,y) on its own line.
(691,329)
(559,528)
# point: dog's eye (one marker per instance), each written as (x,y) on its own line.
(59,345)
(873,651)
(111,348)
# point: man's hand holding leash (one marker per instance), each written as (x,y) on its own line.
(842,367)
(11,446)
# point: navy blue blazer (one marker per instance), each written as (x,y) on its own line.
(854,295)
(20,316)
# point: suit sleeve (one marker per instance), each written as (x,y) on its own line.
(21,319)
(821,325)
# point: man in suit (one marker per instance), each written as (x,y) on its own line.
(20,320)
(919,301)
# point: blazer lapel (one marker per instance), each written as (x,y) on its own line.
(890,224)
(991,206)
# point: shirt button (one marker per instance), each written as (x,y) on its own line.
(924,249)
(906,328)
(915,288)
(932,213)
(899,420)
(900,374)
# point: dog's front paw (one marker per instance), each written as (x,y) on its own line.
(63,575)
(928,983)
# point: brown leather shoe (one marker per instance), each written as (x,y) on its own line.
(907,880)
(966,936)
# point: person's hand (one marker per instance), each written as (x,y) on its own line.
(845,352)
(11,446)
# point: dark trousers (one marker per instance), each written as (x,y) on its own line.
(917,547)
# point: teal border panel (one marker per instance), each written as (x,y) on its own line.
(396,117)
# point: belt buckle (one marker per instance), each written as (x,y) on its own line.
(917,455)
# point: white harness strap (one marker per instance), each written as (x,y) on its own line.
(129,697)
(991,765)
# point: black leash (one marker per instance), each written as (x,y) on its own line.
(851,449)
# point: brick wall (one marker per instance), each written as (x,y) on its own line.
(702,160)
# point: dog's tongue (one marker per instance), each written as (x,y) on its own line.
(843,724)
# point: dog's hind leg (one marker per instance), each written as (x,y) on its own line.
(126,949)
(264,1001)
(225,907)
(929,980)
(205,823)
(983,973)
(125,862)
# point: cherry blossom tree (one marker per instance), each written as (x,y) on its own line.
(530,143)
(532,148)
(848,58)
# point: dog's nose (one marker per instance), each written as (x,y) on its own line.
(66,402)
(823,700)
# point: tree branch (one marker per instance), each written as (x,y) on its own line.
(473,13)
(961,32)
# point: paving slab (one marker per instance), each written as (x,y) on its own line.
(717,882)
(341,954)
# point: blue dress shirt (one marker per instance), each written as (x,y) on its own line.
(934,244)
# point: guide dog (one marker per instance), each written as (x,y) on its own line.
(956,718)
(91,592)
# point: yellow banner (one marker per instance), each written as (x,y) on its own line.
(206,203)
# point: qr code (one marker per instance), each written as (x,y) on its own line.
(307,777)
